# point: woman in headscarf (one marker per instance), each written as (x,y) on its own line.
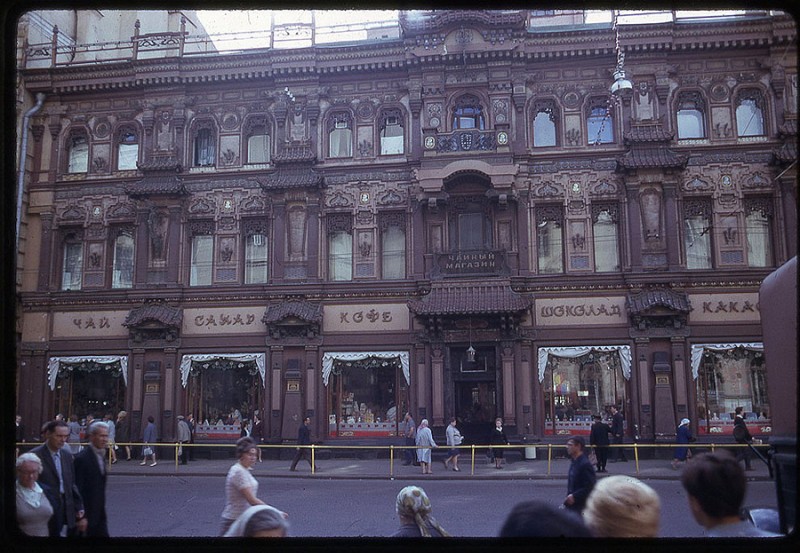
(684,436)
(424,444)
(260,521)
(414,510)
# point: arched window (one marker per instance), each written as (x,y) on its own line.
(468,113)
(340,135)
(391,133)
(78,151)
(544,125)
(599,123)
(204,146)
(127,149)
(258,141)
(750,113)
(691,116)
(122,270)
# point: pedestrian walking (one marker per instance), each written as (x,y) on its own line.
(19,433)
(58,481)
(241,488)
(498,437)
(149,437)
(122,430)
(581,478)
(90,477)
(112,436)
(682,436)
(598,438)
(303,439)
(742,436)
(184,435)
(424,444)
(74,439)
(618,434)
(454,440)
(409,429)
(34,510)
(414,511)
(622,507)
(258,433)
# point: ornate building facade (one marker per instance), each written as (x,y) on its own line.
(459,218)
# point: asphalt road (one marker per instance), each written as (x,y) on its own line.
(189,506)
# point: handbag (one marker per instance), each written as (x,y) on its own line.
(147,450)
(592,457)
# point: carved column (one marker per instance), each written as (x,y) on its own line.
(46,261)
(279,251)
(142,251)
(437,388)
(507,363)
(273,423)
(671,221)
(680,376)
(635,225)
(174,245)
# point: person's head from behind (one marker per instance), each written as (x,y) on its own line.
(413,506)
(622,507)
(716,485)
(267,522)
(536,519)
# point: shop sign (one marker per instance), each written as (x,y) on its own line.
(223,321)
(580,311)
(488,262)
(720,308)
(83,324)
(365,318)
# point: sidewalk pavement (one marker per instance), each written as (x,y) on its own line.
(363,469)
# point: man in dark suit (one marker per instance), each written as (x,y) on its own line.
(618,433)
(303,439)
(582,478)
(599,439)
(58,479)
(742,436)
(90,476)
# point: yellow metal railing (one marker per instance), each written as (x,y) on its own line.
(471,449)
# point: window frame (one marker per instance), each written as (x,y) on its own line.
(698,207)
(251,229)
(71,141)
(698,104)
(613,210)
(72,238)
(757,97)
(339,224)
(459,112)
(549,214)
(252,125)
(118,233)
(388,114)
(340,121)
(764,205)
(123,131)
(200,229)
(389,221)
(201,130)
(550,109)
(607,122)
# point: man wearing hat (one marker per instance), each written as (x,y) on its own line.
(684,436)
(184,437)
(598,438)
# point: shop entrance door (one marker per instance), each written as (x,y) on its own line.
(476,409)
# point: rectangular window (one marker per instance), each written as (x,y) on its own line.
(393,252)
(550,241)
(340,252)
(759,239)
(470,231)
(697,240)
(204,148)
(258,148)
(392,137)
(122,271)
(202,260)
(606,241)
(72,274)
(341,142)
(255,259)
(78,155)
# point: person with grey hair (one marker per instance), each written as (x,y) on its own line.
(90,476)
(424,444)
(260,521)
(33,508)
(622,507)
(414,510)
(241,488)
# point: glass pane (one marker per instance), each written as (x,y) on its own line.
(759,240)
(544,130)
(127,156)
(393,247)
(78,155)
(600,127)
(690,124)
(606,256)
(226,392)
(697,241)
(341,143)
(122,273)
(551,243)
(201,264)
(258,148)
(340,246)
(73,266)
(255,271)
(749,119)
(392,140)
(204,148)
(470,231)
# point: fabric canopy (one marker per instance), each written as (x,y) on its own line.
(577,351)
(699,349)
(186,362)
(54,363)
(329,358)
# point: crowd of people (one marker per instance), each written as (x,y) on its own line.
(60,489)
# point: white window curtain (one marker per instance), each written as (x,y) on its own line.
(256,258)
(329,358)
(550,239)
(341,143)
(127,156)
(187,360)
(606,256)
(697,240)
(202,259)
(759,246)
(122,273)
(54,363)
(72,275)
(78,155)
(690,124)
(393,253)
(340,245)
(699,349)
(258,148)
(578,351)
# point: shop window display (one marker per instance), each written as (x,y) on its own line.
(727,377)
(89,387)
(366,397)
(575,388)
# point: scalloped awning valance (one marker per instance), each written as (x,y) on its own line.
(330,357)
(187,360)
(577,351)
(54,363)
(699,349)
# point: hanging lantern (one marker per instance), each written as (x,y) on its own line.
(471,354)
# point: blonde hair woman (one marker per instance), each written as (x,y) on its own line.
(623,507)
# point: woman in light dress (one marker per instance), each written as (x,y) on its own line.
(424,444)
(33,508)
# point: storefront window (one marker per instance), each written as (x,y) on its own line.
(727,377)
(575,388)
(367,397)
(224,392)
(89,387)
